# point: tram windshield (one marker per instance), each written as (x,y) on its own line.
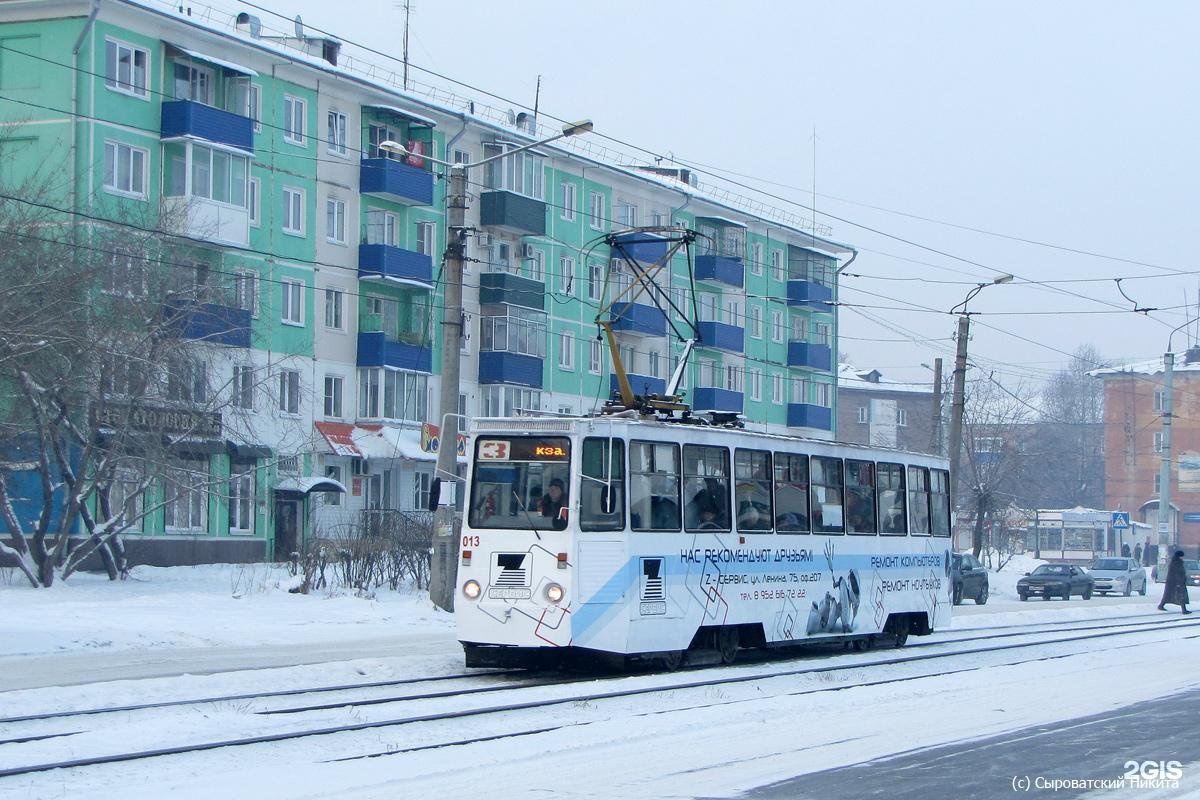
(521,482)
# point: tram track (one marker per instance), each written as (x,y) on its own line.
(722,678)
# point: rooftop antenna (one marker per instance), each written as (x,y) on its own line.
(299,23)
(814,180)
(537,95)
(407,11)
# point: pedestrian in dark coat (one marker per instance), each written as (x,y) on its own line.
(1137,553)
(1175,591)
(1125,550)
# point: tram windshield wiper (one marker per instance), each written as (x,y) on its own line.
(532,527)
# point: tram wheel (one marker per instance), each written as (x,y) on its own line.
(728,642)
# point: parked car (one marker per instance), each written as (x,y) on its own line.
(1055,580)
(968,578)
(1190,565)
(1122,575)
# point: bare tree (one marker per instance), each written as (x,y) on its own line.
(1070,467)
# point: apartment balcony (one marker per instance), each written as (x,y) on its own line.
(806,354)
(515,213)
(383,262)
(641,384)
(396,181)
(806,415)
(189,119)
(210,220)
(213,323)
(722,336)
(504,287)
(713,399)
(639,319)
(644,248)
(410,350)
(809,293)
(726,270)
(517,369)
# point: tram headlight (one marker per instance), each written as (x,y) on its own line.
(471,589)
(554,593)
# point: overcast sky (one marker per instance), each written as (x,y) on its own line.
(1068,123)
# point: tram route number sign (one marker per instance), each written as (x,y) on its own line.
(524,449)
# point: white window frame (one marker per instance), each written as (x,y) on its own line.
(566,351)
(246,290)
(388,221)
(254,103)
(595,357)
(426,238)
(568,201)
(537,265)
(777,389)
(201,80)
(778,270)
(334,392)
(293,108)
(1158,442)
(291,308)
(289,392)
(596,211)
(335,220)
(113,82)
(864,415)
(254,202)
(566,275)
(112,167)
(901,417)
(754,312)
(777,328)
(335,307)
(292,197)
(1160,396)
(239,484)
(595,280)
(195,492)
(756,258)
(243,386)
(336,126)
(824,392)
(755,381)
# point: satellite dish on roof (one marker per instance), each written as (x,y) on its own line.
(512,117)
(299,27)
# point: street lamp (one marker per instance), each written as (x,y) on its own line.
(443,568)
(960,380)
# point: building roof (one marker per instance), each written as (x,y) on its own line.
(872,380)
(1152,366)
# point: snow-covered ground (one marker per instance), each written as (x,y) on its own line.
(702,742)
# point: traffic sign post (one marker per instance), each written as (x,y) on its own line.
(1120,524)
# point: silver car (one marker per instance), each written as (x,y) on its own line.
(1112,575)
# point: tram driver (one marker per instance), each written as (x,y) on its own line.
(554,502)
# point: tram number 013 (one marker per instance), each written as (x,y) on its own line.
(470,541)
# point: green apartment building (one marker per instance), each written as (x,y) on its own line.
(262,152)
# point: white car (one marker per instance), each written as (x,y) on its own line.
(1112,575)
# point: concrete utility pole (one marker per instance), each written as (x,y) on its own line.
(1164,474)
(958,400)
(935,430)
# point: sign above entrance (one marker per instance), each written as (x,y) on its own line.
(431,438)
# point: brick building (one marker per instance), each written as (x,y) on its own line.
(876,411)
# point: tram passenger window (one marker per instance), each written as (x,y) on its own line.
(826,491)
(706,487)
(602,490)
(918,500)
(752,481)
(892,519)
(939,502)
(654,486)
(791,493)
(860,496)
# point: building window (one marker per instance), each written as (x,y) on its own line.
(255,207)
(126,273)
(1159,399)
(289,391)
(824,395)
(125,169)
(335,221)
(292,308)
(537,265)
(595,357)
(509,401)
(595,280)
(461,157)
(755,317)
(1157,482)
(799,329)
(368,393)
(800,392)
(596,210)
(756,259)
(777,389)
(566,350)
(733,378)
(901,417)
(293,211)
(187,380)
(245,291)
(293,119)
(568,201)
(864,415)
(566,275)
(393,394)
(193,83)
(185,493)
(333,472)
(216,174)
(334,303)
(425,238)
(777,265)
(521,330)
(1158,441)
(126,68)
(626,214)
(241,499)
(254,106)
(820,333)
(777,329)
(243,387)
(382,227)
(755,379)
(521,173)
(989,444)
(654,361)
(333,396)
(336,132)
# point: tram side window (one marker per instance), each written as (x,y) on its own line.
(939,501)
(860,496)
(654,486)
(892,519)
(602,491)
(918,500)
(791,493)
(827,516)
(706,487)
(752,481)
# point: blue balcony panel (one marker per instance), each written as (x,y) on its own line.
(393,180)
(806,415)
(189,118)
(808,293)
(395,264)
(721,336)
(515,213)
(208,322)
(641,384)
(805,354)
(713,399)
(374,350)
(504,287)
(644,248)
(639,318)
(721,269)
(511,368)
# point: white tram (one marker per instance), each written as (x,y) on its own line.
(611,538)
